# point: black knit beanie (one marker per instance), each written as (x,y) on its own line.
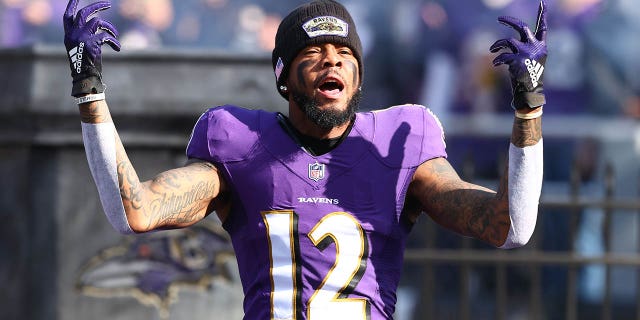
(317,22)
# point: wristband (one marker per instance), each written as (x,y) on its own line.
(90,98)
(529,116)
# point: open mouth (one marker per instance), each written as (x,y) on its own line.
(331,86)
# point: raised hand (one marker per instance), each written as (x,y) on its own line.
(84,35)
(526,59)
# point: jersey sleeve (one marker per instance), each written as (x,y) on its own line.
(433,144)
(408,135)
(198,146)
(223,134)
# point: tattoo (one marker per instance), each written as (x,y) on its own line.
(176,199)
(526,132)
(94,112)
(130,187)
(176,202)
(464,207)
(173,198)
(178,207)
(504,185)
(204,166)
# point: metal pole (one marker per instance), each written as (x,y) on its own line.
(535,290)
(609,190)
(637,272)
(501,269)
(468,173)
(501,289)
(427,304)
(572,270)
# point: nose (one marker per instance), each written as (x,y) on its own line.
(331,57)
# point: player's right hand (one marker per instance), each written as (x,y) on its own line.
(84,35)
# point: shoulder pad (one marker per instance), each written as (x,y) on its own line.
(408,135)
(225,133)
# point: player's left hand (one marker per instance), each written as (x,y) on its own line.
(526,59)
(84,45)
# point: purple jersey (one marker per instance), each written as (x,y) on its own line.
(318,237)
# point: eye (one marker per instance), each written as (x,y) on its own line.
(345,51)
(311,50)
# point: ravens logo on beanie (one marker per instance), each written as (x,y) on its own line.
(317,22)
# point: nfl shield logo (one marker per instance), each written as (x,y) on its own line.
(316,171)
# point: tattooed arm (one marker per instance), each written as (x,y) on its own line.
(505,218)
(466,208)
(175,198)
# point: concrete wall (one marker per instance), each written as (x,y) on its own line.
(52,222)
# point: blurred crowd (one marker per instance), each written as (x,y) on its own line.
(433,52)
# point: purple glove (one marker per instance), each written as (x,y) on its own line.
(526,59)
(84,45)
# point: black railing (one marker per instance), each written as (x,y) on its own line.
(532,259)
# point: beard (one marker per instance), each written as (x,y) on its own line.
(327,119)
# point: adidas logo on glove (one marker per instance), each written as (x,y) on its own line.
(76,57)
(535,71)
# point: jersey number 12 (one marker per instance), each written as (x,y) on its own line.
(330,300)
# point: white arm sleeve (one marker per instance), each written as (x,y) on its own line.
(100,146)
(525,186)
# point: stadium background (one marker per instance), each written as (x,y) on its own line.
(181,56)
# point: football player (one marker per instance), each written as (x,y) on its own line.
(318,202)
